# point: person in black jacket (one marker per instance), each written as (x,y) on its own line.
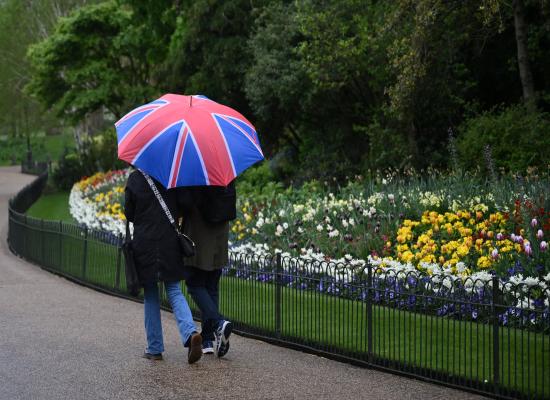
(158,257)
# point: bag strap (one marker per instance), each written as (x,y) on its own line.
(162,203)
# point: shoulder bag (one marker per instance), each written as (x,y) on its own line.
(132,279)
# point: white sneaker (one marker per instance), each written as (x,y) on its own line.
(222,338)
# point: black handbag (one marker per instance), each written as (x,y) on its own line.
(132,279)
(186,244)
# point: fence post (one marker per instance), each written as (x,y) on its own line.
(278,289)
(42,240)
(496,344)
(369,312)
(85,253)
(118,259)
(25,252)
(60,245)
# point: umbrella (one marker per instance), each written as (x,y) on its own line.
(188,141)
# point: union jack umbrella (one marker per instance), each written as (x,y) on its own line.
(188,141)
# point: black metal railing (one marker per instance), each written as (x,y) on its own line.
(490,337)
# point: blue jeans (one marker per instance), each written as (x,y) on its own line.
(153,326)
(203,288)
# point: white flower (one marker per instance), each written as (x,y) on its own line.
(320,228)
(351,222)
(334,233)
(285,225)
(345,223)
(300,230)
(260,222)
(282,213)
(279,230)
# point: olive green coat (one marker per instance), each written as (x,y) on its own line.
(210,241)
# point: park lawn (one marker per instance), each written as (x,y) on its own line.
(53,206)
(461,349)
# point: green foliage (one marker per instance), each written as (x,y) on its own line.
(93,59)
(99,153)
(69,170)
(258,183)
(517,137)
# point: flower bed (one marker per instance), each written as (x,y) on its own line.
(97,201)
(398,226)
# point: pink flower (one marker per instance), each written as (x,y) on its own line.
(540,234)
(534,222)
(500,236)
(494,254)
(543,246)
(513,237)
(527,248)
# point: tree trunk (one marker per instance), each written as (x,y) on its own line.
(525,73)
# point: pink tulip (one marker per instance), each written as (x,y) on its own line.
(543,246)
(540,234)
(534,222)
(500,236)
(528,250)
(494,254)
(513,237)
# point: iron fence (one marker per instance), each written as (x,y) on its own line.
(490,337)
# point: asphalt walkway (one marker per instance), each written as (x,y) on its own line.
(59,340)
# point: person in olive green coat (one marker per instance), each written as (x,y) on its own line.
(206,221)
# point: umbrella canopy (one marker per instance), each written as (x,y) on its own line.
(188,141)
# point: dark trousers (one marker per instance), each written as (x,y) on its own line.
(203,288)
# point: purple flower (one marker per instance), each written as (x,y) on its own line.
(540,234)
(543,246)
(500,236)
(534,222)
(527,248)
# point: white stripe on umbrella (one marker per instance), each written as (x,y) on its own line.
(226,145)
(142,150)
(132,128)
(251,139)
(176,159)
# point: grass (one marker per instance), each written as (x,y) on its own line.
(52,207)
(43,147)
(460,349)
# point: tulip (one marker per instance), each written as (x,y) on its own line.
(500,236)
(513,237)
(534,222)
(543,246)
(528,250)
(494,254)
(540,234)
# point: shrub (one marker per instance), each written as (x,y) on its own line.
(517,138)
(69,170)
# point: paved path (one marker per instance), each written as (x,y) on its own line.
(59,340)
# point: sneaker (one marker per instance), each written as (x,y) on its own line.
(207,347)
(195,348)
(150,356)
(222,338)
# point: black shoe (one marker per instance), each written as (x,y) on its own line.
(195,348)
(150,356)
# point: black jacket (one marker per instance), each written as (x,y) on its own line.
(156,248)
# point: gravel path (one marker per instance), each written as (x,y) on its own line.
(59,340)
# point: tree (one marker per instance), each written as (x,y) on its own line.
(93,59)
